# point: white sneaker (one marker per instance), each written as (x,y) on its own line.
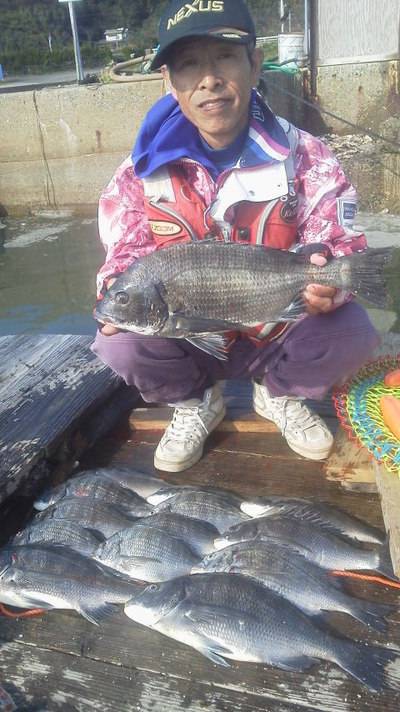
(182,444)
(305,432)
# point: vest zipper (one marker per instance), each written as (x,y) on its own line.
(177,217)
(261,226)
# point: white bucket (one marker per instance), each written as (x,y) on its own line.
(291,46)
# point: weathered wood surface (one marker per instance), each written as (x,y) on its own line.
(389,489)
(46,384)
(60,661)
(350,464)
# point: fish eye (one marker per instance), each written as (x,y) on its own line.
(122,298)
(153,587)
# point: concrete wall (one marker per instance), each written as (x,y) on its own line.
(366,94)
(59,146)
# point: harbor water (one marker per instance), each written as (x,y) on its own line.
(48,265)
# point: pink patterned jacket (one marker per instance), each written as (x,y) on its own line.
(326,209)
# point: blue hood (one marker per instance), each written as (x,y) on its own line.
(166,135)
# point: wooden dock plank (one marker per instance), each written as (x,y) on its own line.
(58,681)
(389,489)
(128,647)
(350,464)
(46,384)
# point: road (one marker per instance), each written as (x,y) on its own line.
(29,81)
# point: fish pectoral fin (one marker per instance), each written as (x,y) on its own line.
(215,345)
(96,614)
(206,616)
(296,664)
(295,309)
(198,324)
(212,653)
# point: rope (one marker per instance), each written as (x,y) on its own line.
(4,611)
(367,577)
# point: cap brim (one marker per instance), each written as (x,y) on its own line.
(161,57)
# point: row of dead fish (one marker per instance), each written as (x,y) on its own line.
(98,537)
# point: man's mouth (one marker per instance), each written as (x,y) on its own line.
(213,104)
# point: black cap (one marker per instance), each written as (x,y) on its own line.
(228,20)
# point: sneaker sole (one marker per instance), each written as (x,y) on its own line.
(309,455)
(168,466)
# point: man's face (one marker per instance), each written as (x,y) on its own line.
(212,81)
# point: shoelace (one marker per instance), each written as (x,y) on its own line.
(186,423)
(298,415)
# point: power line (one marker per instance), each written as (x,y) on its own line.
(359,128)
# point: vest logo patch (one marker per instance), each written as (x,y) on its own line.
(190,8)
(288,210)
(163,228)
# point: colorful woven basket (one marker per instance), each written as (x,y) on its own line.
(357,404)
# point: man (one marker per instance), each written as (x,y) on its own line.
(211,159)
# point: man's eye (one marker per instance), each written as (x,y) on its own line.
(183,64)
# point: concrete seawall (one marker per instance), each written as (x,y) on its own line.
(60,146)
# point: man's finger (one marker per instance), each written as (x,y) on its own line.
(109,330)
(318,259)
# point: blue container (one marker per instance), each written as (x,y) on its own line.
(1,73)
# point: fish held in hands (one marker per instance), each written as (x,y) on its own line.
(194,290)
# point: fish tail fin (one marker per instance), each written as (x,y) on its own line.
(375,667)
(372,614)
(385,565)
(368,279)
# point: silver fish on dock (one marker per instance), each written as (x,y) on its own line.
(219,508)
(94,486)
(319,514)
(191,290)
(45,576)
(93,514)
(323,548)
(139,482)
(306,585)
(197,535)
(61,532)
(234,617)
(146,553)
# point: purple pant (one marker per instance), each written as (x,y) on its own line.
(317,353)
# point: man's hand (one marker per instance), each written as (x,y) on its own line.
(318,298)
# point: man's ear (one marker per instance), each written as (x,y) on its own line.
(169,89)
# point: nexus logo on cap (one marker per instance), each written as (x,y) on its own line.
(197,6)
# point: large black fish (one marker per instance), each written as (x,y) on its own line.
(225,616)
(323,548)
(189,290)
(47,576)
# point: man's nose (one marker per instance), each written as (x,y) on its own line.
(210,80)
(210,76)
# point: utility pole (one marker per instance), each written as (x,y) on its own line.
(75,37)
